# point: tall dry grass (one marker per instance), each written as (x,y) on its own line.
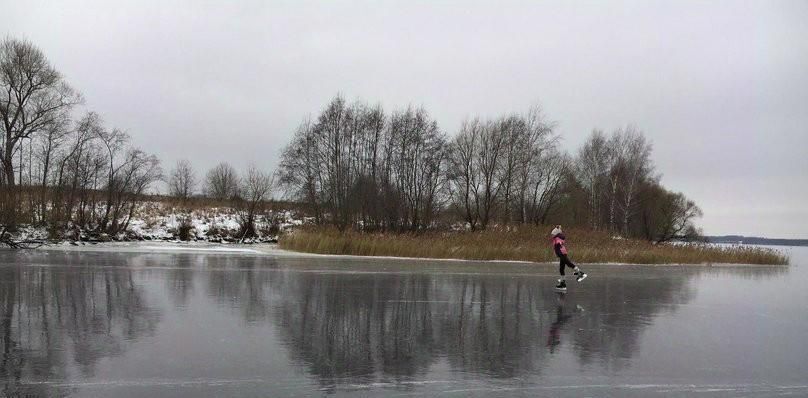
(523,243)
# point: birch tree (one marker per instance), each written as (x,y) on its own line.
(592,167)
(637,167)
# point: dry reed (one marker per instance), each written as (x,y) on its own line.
(521,243)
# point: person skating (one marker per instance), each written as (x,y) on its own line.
(558,240)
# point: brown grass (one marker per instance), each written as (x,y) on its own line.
(521,243)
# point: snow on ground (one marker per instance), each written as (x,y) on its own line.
(31,233)
(218,224)
(157,221)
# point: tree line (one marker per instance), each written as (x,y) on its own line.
(55,169)
(74,173)
(356,166)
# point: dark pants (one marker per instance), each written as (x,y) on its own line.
(564,260)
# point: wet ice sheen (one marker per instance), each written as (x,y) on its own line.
(222,324)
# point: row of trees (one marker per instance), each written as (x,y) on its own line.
(623,193)
(56,169)
(75,173)
(222,182)
(508,169)
(355,166)
(246,194)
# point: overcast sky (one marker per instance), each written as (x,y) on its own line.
(721,88)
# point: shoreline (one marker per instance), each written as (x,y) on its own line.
(273,250)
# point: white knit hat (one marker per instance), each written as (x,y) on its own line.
(556,231)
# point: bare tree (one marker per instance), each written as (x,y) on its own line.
(490,152)
(515,135)
(79,175)
(497,168)
(33,97)
(221,182)
(592,169)
(255,188)
(354,166)
(615,162)
(546,184)
(112,143)
(535,158)
(79,166)
(300,172)
(372,128)
(417,164)
(464,172)
(48,146)
(182,181)
(139,173)
(97,171)
(637,167)
(332,134)
(67,169)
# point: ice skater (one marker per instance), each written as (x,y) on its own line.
(560,249)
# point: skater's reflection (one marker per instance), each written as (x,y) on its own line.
(562,317)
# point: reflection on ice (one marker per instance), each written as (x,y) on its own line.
(464,329)
(351,325)
(54,321)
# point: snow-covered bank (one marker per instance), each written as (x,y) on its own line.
(216,224)
(158,221)
(167,247)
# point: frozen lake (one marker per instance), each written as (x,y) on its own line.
(161,324)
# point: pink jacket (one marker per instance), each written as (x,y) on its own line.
(558,244)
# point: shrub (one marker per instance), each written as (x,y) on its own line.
(184,229)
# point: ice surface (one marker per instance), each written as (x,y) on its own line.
(200,321)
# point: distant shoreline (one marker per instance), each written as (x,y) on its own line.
(753,240)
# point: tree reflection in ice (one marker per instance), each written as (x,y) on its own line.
(397,326)
(55,319)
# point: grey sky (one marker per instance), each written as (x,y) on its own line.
(721,88)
